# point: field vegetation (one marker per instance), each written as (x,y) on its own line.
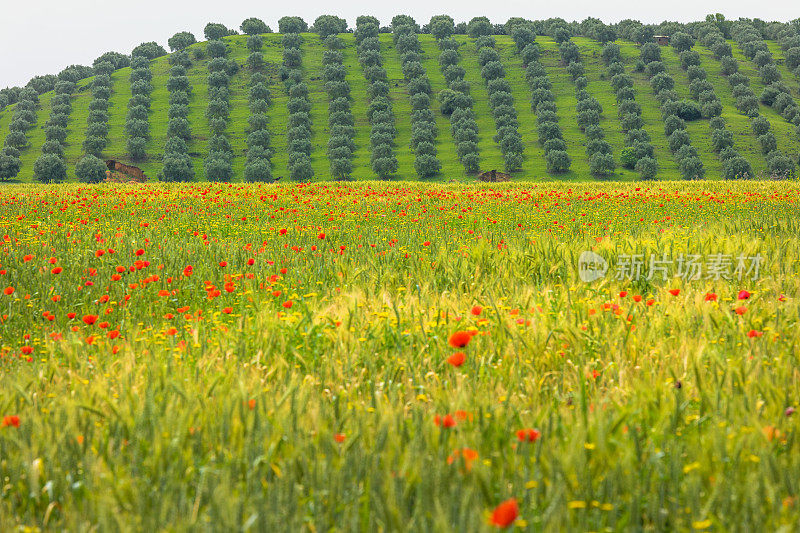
(399,356)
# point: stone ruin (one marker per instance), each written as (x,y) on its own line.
(493,176)
(119,172)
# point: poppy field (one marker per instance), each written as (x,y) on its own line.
(399,356)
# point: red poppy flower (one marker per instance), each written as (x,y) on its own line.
(740,310)
(288,304)
(27,350)
(463,415)
(227,310)
(11,421)
(530,435)
(457,359)
(8,291)
(460,339)
(171,331)
(743,295)
(339,437)
(321,236)
(754,333)
(477,310)
(711,297)
(674,292)
(468,454)
(251,404)
(446,421)
(89,320)
(623,294)
(505,514)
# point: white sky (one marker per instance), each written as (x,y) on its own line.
(44,36)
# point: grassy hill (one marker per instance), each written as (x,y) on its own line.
(533,167)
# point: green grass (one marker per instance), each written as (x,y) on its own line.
(198,102)
(159,106)
(313,48)
(278,115)
(239,87)
(117,112)
(73,145)
(534,167)
(788,78)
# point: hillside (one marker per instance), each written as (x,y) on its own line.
(533,166)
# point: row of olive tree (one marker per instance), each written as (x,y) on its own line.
(674,112)
(776,94)
(219,159)
(176,162)
(379,112)
(423,123)
(97,120)
(588,110)
(258,165)
(137,121)
(341,140)
(638,153)
(778,164)
(299,106)
(23,119)
(50,166)
(501,102)
(543,101)
(734,165)
(789,39)
(455,101)
(9,96)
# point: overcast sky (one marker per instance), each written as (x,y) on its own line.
(44,36)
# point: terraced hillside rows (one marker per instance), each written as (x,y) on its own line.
(240,107)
